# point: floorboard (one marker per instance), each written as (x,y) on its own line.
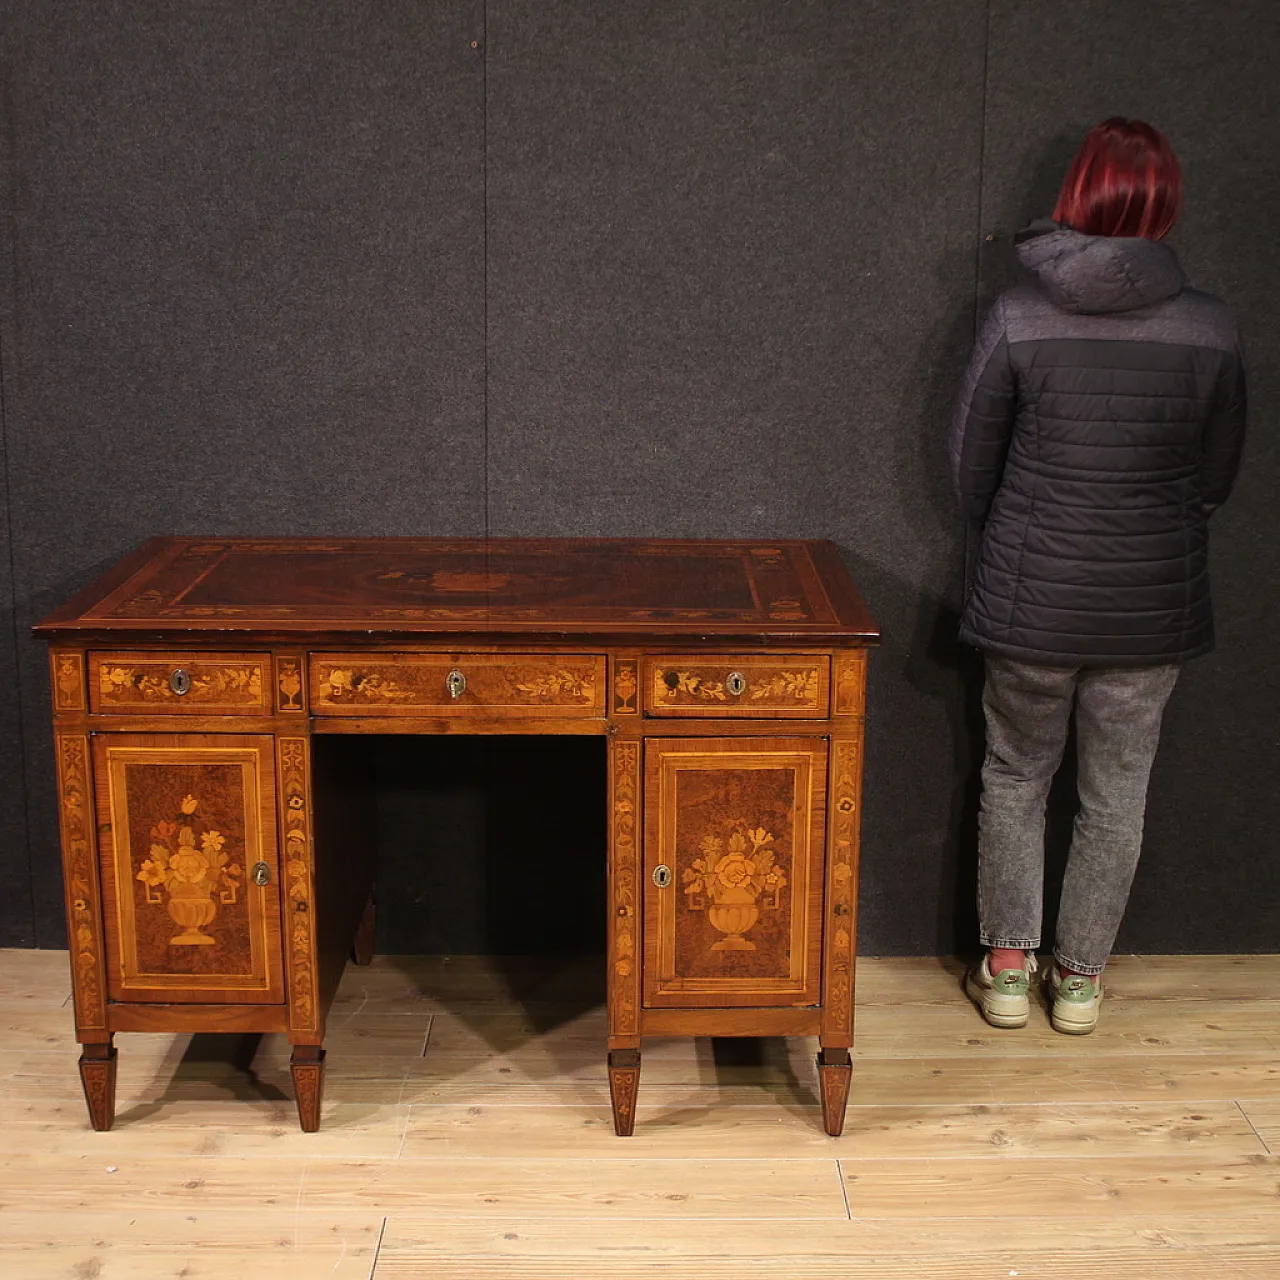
(467,1133)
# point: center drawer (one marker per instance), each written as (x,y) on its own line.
(457,684)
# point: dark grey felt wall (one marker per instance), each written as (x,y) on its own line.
(250,253)
(673,269)
(1210,876)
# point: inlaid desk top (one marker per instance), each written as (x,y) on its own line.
(761,592)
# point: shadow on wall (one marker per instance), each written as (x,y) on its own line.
(1030,193)
(938,665)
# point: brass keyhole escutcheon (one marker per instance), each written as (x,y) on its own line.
(662,875)
(457,683)
(736,683)
(180,682)
(261,874)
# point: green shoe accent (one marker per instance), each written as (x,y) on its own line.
(1075,990)
(1011,982)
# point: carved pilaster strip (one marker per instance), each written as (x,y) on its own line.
(299,885)
(842,892)
(66,675)
(851,677)
(291,692)
(80,872)
(624,894)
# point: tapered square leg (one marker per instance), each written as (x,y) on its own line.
(98,1076)
(362,946)
(835,1071)
(307,1066)
(624,1082)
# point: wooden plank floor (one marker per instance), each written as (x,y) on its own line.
(467,1134)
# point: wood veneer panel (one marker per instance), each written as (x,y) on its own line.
(658,587)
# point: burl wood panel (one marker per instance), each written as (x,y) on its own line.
(219,684)
(184,825)
(777,686)
(739,826)
(423,585)
(406,684)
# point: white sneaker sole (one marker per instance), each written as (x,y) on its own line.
(1075,1020)
(1005,1012)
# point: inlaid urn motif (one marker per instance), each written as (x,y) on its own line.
(194,876)
(733,881)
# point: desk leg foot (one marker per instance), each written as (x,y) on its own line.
(835,1071)
(362,947)
(98,1076)
(307,1066)
(624,1081)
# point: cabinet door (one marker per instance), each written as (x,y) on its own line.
(187,828)
(734,865)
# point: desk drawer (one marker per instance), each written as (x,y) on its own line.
(458,684)
(769,685)
(206,684)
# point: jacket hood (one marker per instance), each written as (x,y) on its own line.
(1095,275)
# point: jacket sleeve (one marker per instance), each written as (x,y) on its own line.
(982,424)
(1224,433)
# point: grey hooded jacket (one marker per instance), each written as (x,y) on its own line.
(1100,421)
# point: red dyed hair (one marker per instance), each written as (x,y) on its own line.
(1124,181)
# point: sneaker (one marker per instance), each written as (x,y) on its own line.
(1003,999)
(1075,1001)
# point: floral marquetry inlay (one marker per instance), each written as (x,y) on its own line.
(749,685)
(733,839)
(625,922)
(846,770)
(466,684)
(558,686)
(341,685)
(289,683)
(205,685)
(185,822)
(81,880)
(299,894)
(68,681)
(851,671)
(733,881)
(191,862)
(625,685)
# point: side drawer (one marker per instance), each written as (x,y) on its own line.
(772,685)
(457,684)
(179,683)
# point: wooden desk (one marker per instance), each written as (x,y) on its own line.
(214,798)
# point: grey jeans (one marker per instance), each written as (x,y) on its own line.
(1028,710)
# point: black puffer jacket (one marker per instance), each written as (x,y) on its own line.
(1100,421)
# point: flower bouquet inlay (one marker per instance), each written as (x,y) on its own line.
(733,881)
(191,862)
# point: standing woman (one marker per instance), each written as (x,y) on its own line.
(1100,423)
